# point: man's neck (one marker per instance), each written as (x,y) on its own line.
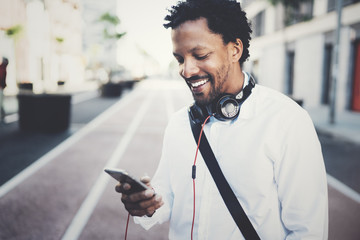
(237,80)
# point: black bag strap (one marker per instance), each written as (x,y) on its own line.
(233,205)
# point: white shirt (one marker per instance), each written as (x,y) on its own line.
(272,159)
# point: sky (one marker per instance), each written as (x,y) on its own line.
(143,21)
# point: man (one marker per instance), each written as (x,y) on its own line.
(3,64)
(269,152)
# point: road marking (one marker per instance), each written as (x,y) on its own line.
(85,211)
(34,167)
(342,188)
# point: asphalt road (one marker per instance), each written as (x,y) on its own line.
(64,193)
(342,159)
(19,149)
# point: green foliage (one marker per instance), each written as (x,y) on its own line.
(14,31)
(112,19)
(116,35)
(287,2)
(110,31)
(59,39)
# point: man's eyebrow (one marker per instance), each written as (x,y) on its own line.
(197,48)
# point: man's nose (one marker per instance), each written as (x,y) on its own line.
(189,69)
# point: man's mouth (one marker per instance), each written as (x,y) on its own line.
(199,83)
(197,86)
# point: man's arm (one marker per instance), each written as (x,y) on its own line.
(301,178)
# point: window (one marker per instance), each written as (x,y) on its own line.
(327,74)
(258,23)
(332,4)
(298,12)
(290,61)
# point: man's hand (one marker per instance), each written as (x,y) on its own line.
(140,203)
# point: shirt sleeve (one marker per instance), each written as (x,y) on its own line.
(301,180)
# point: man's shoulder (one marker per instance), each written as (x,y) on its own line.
(276,97)
(272,100)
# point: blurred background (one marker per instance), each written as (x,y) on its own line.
(70,61)
(71,45)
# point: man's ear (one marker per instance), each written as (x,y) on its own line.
(237,50)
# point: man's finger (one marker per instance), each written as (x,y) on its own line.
(145,179)
(121,188)
(136,197)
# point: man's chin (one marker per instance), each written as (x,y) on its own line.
(201,100)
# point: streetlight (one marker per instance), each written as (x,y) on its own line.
(335,67)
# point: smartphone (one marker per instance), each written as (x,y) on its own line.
(123,177)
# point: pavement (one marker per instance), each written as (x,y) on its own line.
(64,193)
(346,126)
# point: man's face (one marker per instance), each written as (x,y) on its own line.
(204,60)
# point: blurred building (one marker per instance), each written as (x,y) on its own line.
(42,40)
(293,46)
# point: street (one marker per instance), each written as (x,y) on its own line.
(60,190)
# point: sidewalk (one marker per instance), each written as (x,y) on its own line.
(346,126)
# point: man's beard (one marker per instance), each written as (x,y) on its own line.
(215,90)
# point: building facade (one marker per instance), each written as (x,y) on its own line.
(42,40)
(292,50)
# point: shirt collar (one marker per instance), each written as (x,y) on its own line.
(247,109)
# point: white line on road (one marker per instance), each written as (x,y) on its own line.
(82,216)
(30,170)
(342,188)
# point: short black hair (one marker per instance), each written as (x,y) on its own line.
(224,17)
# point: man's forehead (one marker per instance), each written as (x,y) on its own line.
(197,48)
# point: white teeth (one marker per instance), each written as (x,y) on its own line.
(197,84)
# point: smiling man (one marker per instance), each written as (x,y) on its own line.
(264,143)
(208,66)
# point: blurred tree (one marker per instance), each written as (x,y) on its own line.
(111,34)
(295,10)
(111,23)
(14,31)
(287,2)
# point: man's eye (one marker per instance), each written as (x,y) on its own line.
(180,60)
(201,57)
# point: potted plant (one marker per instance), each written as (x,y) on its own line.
(45,112)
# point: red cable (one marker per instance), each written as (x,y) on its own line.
(197,150)
(127,225)
(193,220)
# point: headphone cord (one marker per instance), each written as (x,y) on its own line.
(194,175)
(127,225)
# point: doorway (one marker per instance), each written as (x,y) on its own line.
(355,101)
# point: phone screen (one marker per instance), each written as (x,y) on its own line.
(123,177)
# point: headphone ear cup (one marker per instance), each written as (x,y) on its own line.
(198,115)
(227,108)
